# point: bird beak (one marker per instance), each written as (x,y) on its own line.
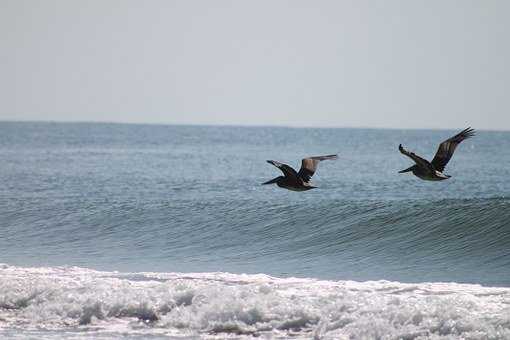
(274,180)
(406,170)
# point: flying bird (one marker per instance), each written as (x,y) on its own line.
(298,181)
(433,171)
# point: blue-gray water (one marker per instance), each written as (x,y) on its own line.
(189,199)
(185,203)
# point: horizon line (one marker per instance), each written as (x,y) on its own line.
(239,125)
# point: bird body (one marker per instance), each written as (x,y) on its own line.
(433,171)
(298,181)
(293,185)
(427,174)
(285,183)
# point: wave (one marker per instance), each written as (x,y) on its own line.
(60,302)
(461,240)
(452,227)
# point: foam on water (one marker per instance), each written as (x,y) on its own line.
(72,302)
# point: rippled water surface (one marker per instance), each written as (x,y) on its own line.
(167,199)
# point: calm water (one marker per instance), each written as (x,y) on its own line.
(135,198)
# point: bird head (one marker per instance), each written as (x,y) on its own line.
(274,180)
(406,170)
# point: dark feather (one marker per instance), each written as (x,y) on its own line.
(286,169)
(417,159)
(447,148)
(309,166)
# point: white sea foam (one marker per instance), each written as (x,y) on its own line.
(71,302)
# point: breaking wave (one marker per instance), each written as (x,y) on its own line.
(72,302)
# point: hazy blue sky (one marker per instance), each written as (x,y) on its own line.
(419,64)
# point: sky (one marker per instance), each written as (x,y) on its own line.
(382,64)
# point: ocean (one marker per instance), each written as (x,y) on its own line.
(165,232)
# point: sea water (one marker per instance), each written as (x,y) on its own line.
(153,231)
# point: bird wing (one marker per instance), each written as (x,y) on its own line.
(309,166)
(446,148)
(417,159)
(286,169)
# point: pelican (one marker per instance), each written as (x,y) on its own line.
(433,171)
(298,181)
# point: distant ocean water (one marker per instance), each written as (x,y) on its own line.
(115,230)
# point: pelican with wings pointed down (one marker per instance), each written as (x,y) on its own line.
(298,181)
(433,171)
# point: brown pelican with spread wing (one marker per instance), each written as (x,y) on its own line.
(433,171)
(298,181)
